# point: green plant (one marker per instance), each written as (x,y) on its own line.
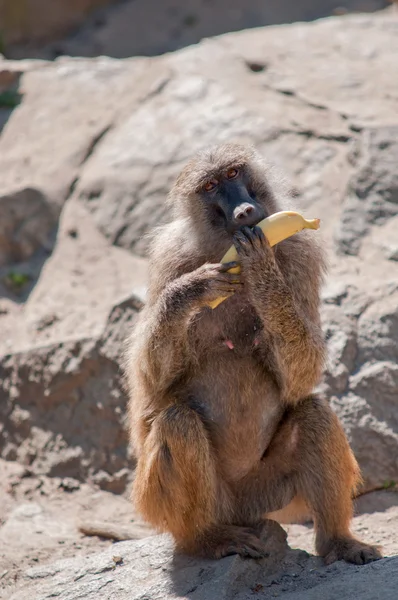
(16,281)
(388,484)
(10,99)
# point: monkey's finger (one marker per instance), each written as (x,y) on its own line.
(241,243)
(215,294)
(249,234)
(223,267)
(252,552)
(236,285)
(259,235)
(229,277)
(261,241)
(226,288)
(222,290)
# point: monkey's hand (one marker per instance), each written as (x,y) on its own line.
(209,282)
(260,270)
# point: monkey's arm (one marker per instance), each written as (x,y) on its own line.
(289,314)
(160,340)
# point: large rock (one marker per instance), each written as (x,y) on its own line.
(62,400)
(244,86)
(362,379)
(26,223)
(44,148)
(149,569)
(63,406)
(372,196)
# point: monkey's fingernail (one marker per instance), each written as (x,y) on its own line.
(230,265)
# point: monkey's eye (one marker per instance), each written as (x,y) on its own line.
(232,173)
(210,185)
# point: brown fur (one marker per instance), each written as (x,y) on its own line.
(225,438)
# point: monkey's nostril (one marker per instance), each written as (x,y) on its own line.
(245,212)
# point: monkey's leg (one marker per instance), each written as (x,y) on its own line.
(309,462)
(177,488)
(327,476)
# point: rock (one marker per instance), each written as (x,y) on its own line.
(83,272)
(40,518)
(376,515)
(44,150)
(210,98)
(63,406)
(148,569)
(30,521)
(372,196)
(360,379)
(361,376)
(26,222)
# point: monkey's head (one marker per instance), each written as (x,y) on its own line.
(225,187)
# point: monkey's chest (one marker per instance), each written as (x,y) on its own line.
(236,330)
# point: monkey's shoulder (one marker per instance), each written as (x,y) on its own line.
(173,251)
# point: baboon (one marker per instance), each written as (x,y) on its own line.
(223,419)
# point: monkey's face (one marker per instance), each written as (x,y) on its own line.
(229,199)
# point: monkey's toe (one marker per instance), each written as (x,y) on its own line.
(246,543)
(252,549)
(352,551)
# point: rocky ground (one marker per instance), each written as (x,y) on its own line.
(88,151)
(45,520)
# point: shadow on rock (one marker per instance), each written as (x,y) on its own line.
(225,578)
(28,230)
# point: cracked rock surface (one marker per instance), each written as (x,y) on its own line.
(128,568)
(86,160)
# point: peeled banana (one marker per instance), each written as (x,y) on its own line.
(276,228)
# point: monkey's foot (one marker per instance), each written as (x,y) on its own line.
(245,542)
(225,540)
(351,550)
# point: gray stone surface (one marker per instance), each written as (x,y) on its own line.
(62,406)
(148,569)
(372,196)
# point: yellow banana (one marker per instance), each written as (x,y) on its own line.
(276,228)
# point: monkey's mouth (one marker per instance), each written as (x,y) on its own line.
(231,225)
(232,228)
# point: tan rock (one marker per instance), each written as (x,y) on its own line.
(147,568)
